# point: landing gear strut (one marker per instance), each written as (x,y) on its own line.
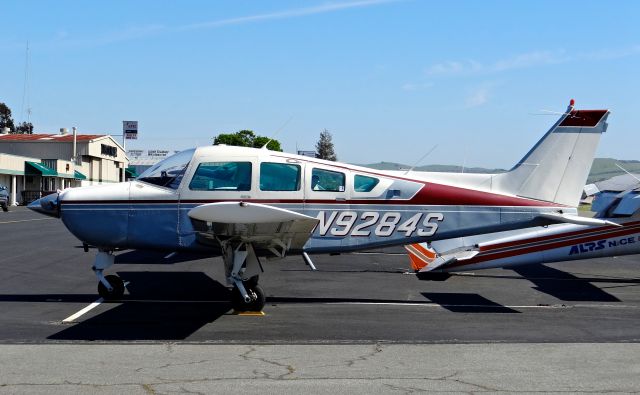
(110,287)
(241,268)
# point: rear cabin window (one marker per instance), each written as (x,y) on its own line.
(327,180)
(222,176)
(279,177)
(364,183)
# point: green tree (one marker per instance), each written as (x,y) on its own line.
(246,138)
(25,128)
(324,146)
(5,118)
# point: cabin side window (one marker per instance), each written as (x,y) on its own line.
(279,177)
(327,180)
(222,176)
(364,183)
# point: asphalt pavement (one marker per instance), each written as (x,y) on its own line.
(354,302)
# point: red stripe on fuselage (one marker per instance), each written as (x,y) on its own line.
(548,246)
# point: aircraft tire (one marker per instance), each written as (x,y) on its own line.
(238,303)
(118,288)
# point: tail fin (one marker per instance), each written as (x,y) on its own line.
(557,167)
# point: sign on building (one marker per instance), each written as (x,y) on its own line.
(135,153)
(130,130)
(157,153)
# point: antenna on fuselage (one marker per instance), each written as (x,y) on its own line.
(277,132)
(421,159)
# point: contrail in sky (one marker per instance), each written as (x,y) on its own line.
(292,13)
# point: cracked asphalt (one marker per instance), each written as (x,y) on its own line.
(359,324)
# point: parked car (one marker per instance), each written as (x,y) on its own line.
(4,198)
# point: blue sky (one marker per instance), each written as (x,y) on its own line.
(389,79)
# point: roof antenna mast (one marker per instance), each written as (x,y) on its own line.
(25,88)
(420,160)
(277,132)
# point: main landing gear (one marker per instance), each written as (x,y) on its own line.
(110,287)
(242,267)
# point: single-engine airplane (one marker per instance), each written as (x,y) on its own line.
(245,203)
(555,243)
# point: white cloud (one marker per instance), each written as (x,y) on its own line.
(480,94)
(527,60)
(478,97)
(455,67)
(531,59)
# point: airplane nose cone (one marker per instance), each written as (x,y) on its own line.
(48,205)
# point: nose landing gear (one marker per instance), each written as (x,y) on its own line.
(110,287)
(257,297)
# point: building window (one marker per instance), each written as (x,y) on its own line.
(327,180)
(222,176)
(279,177)
(108,150)
(364,183)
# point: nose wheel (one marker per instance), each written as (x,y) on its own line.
(110,287)
(256,296)
(117,288)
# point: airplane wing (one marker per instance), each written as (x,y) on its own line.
(266,227)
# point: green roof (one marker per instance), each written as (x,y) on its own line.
(38,169)
(78,175)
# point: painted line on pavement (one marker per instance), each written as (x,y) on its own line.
(26,220)
(82,312)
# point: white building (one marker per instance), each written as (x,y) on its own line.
(34,164)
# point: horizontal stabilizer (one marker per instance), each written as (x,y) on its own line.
(576,219)
(449,258)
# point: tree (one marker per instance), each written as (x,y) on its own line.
(324,146)
(25,128)
(246,138)
(5,118)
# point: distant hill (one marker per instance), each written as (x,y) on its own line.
(436,168)
(602,168)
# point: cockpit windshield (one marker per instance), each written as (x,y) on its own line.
(169,172)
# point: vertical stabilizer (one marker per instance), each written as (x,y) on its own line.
(557,167)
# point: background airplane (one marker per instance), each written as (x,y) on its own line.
(555,243)
(244,203)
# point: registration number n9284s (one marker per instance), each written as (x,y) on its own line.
(350,223)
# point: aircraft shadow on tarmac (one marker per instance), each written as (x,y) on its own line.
(466,303)
(174,305)
(566,286)
(160,306)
